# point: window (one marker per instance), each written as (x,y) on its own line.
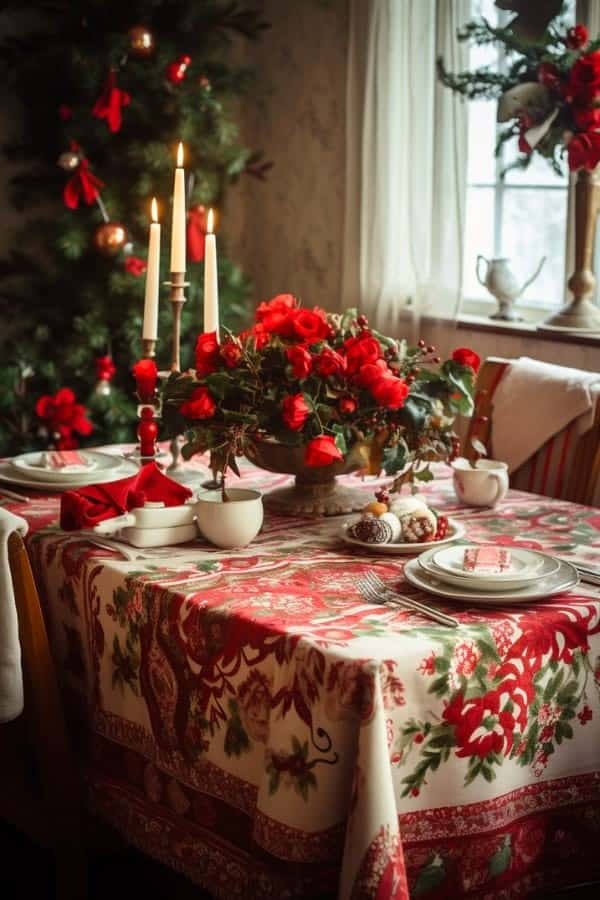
(521,215)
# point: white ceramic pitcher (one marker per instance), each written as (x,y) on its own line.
(502,284)
(484,485)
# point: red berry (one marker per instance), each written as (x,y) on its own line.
(362,321)
(437,359)
(419,738)
(421,343)
(431,348)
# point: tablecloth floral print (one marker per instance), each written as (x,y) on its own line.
(258,726)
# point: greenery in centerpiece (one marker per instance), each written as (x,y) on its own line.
(324,381)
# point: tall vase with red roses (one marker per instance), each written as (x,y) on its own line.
(549,101)
(315,394)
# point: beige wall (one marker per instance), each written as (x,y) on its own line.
(286,233)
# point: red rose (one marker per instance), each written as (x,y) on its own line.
(584,78)
(231,354)
(329,363)
(294,411)
(586,118)
(277,315)
(311,325)
(133,265)
(145,374)
(577,37)
(322,451)
(200,405)
(371,372)
(300,359)
(63,415)
(466,357)
(584,151)
(258,335)
(207,353)
(361,350)
(346,405)
(390,392)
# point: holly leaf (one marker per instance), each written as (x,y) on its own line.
(430,876)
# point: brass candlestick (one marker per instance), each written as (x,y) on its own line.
(177,285)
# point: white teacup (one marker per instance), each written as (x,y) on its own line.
(230,524)
(484,485)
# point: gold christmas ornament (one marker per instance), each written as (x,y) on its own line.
(110,238)
(141,41)
(103,388)
(68,160)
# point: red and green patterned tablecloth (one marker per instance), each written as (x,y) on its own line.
(253,723)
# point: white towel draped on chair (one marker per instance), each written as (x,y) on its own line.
(536,400)
(11,676)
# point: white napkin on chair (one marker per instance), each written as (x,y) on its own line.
(534,401)
(11,676)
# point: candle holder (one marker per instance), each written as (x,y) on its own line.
(148,408)
(177,284)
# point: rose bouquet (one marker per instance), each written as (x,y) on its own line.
(549,94)
(323,382)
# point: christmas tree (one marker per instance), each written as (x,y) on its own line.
(108,90)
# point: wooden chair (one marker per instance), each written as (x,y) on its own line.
(567,467)
(40,792)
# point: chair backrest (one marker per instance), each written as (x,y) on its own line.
(566,467)
(48,745)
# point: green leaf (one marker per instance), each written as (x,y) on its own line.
(501,859)
(424,475)
(429,877)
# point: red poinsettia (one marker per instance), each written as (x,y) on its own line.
(63,417)
(481,725)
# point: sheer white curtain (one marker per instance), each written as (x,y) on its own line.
(406,161)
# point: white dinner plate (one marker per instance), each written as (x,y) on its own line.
(496,582)
(31,466)
(455,531)
(523,563)
(10,475)
(563,580)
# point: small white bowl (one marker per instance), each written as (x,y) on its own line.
(230,524)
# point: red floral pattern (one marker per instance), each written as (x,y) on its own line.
(235,698)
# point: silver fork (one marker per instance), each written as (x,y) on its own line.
(373,588)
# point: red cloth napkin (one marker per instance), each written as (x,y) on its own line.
(86,506)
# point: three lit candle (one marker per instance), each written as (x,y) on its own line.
(178,259)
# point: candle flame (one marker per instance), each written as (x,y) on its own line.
(154,210)
(180,155)
(210,222)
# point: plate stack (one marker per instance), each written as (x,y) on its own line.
(514,575)
(56,471)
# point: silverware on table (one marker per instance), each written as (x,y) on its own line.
(12,495)
(374,589)
(588,575)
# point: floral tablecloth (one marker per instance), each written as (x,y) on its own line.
(252,722)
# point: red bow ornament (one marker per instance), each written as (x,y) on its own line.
(196,233)
(109,103)
(83,185)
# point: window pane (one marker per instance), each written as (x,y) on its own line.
(533,226)
(479,236)
(482,138)
(539,171)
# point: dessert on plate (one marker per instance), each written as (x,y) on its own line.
(398,520)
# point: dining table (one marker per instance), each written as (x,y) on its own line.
(249,719)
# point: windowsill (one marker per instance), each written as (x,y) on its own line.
(524,329)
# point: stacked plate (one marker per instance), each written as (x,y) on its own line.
(529,576)
(30,470)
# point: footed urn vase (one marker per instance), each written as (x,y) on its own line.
(315,491)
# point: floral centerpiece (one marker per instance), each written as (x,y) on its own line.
(315,393)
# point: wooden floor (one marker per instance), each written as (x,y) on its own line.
(27,872)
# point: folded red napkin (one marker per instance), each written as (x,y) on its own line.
(86,506)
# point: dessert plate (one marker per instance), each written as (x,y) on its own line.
(455,531)
(523,563)
(9,474)
(496,582)
(97,464)
(565,578)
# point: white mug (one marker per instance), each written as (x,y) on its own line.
(484,485)
(230,524)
